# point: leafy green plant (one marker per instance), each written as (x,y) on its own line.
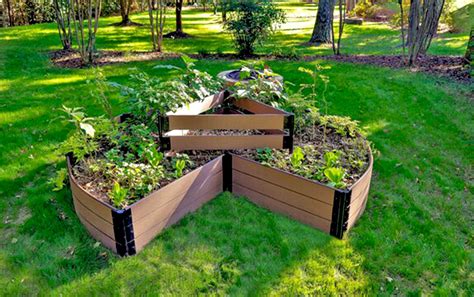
(342,125)
(251,22)
(58,181)
(77,117)
(100,87)
(118,195)
(154,157)
(265,155)
(297,157)
(335,175)
(331,158)
(200,84)
(179,167)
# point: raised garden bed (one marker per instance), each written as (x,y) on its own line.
(126,191)
(233,76)
(277,125)
(127,231)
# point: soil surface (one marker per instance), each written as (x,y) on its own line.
(311,136)
(444,66)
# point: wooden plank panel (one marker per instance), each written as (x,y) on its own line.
(359,186)
(277,206)
(356,215)
(358,201)
(257,107)
(226,121)
(284,179)
(97,234)
(99,208)
(198,107)
(276,192)
(172,218)
(98,222)
(158,198)
(225,142)
(184,197)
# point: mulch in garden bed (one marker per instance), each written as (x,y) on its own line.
(444,66)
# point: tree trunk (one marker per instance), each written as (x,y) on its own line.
(420,39)
(322,32)
(179,20)
(350,5)
(413,20)
(470,48)
(125,6)
(9,11)
(63,20)
(402,25)
(342,15)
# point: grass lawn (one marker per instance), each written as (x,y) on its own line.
(414,238)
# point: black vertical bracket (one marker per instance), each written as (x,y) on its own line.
(340,213)
(123,231)
(227,172)
(290,126)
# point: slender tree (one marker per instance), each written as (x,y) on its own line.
(85,15)
(178,33)
(402,15)
(470,48)
(157,23)
(322,32)
(62,9)
(342,16)
(420,36)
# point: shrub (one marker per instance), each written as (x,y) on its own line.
(251,22)
(367,10)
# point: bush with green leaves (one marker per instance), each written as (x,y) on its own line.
(251,22)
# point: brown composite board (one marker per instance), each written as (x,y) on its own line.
(226,121)
(284,179)
(257,107)
(100,209)
(97,234)
(183,197)
(289,197)
(224,142)
(356,215)
(147,205)
(198,107)
(175,216)
(98,222)
(282,208)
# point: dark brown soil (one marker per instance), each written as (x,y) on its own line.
(445,66)
(227,132)
(72,59)
(314,137)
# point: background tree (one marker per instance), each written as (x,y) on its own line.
(470,48)
(342,16)
(86,15)
(178,33)
(62,10)
(125,7)
(423,26)
(251,22)
(157,23)
(322,32)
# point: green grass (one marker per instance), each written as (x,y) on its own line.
(414,238)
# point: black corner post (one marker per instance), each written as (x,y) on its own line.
(340,213)
(290,126)
(227,172)
(123,231)
(165,142)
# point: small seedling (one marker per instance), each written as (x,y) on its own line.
(297,157)
(335,175)
(179,167)
(118,195)
(59,180)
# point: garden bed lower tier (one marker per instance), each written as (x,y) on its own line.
(127,231)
